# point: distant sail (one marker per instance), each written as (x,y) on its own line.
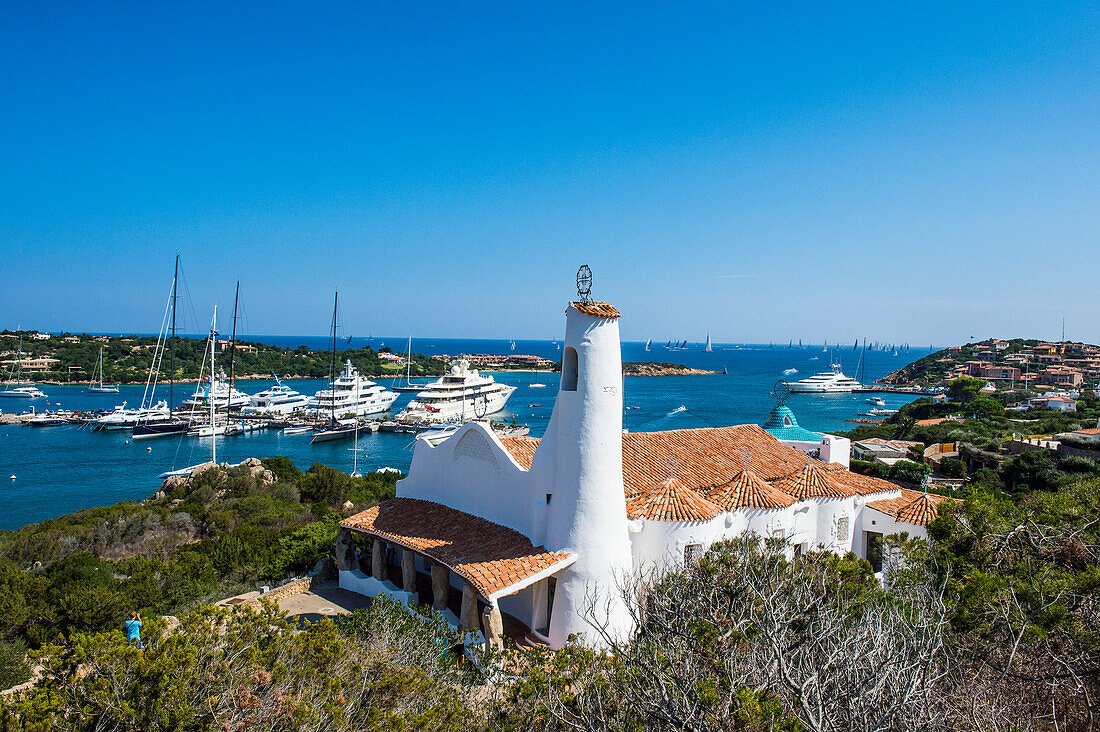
(708,348)
(648,341)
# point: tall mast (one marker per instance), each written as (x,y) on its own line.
(232,349)
(172,367)
(332,366)
(210,392)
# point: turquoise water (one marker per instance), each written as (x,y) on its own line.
(62,469)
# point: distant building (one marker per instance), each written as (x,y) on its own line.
(999,373)
(885,452)
(34,364)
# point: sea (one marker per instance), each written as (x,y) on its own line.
(50,471)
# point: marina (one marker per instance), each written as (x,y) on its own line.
(92,459)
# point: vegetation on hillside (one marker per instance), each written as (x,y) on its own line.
(127,359)
(219,533)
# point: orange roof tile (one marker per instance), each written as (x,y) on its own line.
(813,482)
(912,507)
(710,457)
(489,556)
(598,309)
(521,448)
(671,500)
(749,490)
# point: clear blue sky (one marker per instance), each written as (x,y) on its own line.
(759,171)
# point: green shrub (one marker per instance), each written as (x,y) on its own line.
(14,668)
(951,467)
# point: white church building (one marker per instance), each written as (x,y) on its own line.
(514,535)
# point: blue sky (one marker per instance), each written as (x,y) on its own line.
(916,173)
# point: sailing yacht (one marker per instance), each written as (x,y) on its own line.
(409,386)
(98,385)
(708,348)
(648,341)
(352,395)
(833,382)
(278,399)
(462,393)
(12,389)
(152,421)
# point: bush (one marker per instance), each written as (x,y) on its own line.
(909,472)
(283,468)
(867,467)
(952,468)
(14,668)
(326,485)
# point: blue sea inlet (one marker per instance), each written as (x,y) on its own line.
(61,469)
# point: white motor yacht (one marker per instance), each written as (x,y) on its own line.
(352,395)
(124,419)
(462,393)
(278,399)
(23,392)
(223,395)
(831,382)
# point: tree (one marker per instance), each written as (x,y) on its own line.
(951,467)
(909,472)
(964,390)
(746,639)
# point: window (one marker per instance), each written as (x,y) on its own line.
(842,528)
(548,497)
(692,552)
(799,550)
(569,369)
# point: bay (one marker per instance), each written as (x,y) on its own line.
(62,469)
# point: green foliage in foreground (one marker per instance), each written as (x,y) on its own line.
(242,670)
(223,532)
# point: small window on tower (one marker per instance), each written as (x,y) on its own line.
(692,552)
(569,369)
(548,497)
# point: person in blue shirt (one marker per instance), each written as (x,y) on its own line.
(133,629)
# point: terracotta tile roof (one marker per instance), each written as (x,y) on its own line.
(912,507)
(489,556)
(813,482)
(863,485)
(706,457)
(749,490)
(521,448)
(671,500)
(1088,431)
(710,457)
(598,309)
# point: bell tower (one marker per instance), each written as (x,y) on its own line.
(584,471)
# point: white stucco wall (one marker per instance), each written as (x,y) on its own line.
(472,472)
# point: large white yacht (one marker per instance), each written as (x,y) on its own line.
(123,419)
(352,395)
(278,399)
(223,395)
(833,382)
(22,392)
(462,393)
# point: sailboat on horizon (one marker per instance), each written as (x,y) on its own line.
(708,348)
(648,341)
(409,386)
(97,385)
